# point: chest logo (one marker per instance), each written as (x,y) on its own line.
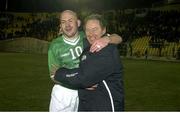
(64,55)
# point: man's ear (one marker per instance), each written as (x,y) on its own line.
(79,23)
(60,30)
(104,30)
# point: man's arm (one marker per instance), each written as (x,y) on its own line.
(93,70)
(104,41)
(52,63)
(114,38)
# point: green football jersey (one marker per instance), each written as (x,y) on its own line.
(65,53)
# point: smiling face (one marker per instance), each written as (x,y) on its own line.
(93,30)
(69,23)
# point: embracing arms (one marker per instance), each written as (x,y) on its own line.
(94,68)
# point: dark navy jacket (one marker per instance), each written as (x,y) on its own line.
(103,68)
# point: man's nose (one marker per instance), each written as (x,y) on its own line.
(67,24)
(91,36)
(91,32)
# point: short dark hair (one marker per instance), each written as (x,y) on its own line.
(98,17)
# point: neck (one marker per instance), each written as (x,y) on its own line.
(73,37)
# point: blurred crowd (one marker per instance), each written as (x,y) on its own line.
(130,24)
(14,25)
(160,25)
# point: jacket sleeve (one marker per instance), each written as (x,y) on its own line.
(94,69)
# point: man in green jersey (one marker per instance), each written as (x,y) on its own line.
(64,51)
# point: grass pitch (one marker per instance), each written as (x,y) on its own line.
(149,85)
(25,84)
(152,85)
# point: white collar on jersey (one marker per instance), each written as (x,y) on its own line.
(71,41)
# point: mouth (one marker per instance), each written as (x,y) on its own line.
(91,39)
(68,29)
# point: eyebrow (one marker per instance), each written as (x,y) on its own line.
(67,20)
(94,28)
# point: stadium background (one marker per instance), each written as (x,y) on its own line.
(150,50)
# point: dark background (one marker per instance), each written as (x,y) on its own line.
(59,5)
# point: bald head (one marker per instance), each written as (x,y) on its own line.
(69,12)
